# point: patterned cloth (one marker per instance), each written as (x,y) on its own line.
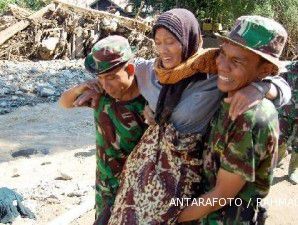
(119,127)
(203,61)
(247,147)
(164,165)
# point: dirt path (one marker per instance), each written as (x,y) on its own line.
(43,129)
(55,143)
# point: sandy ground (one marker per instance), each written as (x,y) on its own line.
(59,176)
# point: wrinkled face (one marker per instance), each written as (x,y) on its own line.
(237,67)
(116,82)
(168,48)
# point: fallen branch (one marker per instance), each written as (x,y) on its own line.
(131,23)
(19,12)
(21,25)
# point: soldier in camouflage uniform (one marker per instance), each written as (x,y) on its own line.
(288,119)
(241,154)
(118,117)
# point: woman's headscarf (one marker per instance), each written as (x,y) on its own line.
(184,26)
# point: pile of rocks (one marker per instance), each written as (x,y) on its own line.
(29,83)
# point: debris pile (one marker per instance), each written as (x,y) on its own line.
(64,31)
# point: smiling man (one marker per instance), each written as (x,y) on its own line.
(241,154)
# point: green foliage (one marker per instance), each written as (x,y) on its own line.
(227,11)
(4,3)
(30,4)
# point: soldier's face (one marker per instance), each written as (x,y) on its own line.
(237,67)
(168,48)
(116,82)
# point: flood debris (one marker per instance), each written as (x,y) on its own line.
(64,31)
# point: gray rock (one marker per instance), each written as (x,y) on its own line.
(67,74)
(27,87)
(33,70)
(45,90)
(18,92)
(6,90)
(11,77)
(24,83)
(63,176)
(4,111)
(3,104)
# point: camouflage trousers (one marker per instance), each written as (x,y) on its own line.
(288,140)
(288,123)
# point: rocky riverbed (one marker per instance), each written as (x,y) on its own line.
(29,83)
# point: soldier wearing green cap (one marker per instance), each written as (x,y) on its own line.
(118,114)
(241,154)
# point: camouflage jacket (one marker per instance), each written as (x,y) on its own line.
(288,115)
(246,146)
(119,127)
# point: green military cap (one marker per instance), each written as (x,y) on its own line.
(263,36)
(108,53)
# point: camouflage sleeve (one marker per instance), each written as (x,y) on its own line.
(252,139)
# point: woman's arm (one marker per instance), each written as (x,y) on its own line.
(275,89)
(227,186)
(80,95)
(280,90)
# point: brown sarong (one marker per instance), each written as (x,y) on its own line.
(163,166)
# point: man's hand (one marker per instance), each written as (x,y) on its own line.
(227,186)
(243,100)
(90,97)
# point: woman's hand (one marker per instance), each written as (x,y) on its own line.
(87,93)
(89,97)
(247,97)
(149,116)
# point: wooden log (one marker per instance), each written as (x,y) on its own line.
(131,23)
(79,40)
(74,213)
(73,46)
(21,25)
(19,12)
